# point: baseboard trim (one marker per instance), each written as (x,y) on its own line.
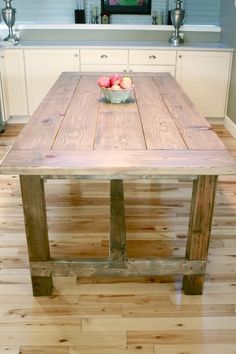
(215,120)
(230,126)
(18,120)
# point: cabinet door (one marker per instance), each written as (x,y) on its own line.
(43,66)
(13,83)
(205,78)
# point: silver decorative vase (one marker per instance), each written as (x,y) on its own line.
(9,16)
(177,18)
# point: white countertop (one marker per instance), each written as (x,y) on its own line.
(36,44)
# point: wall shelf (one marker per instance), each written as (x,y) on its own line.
(121,27)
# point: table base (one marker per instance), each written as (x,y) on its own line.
(192,266)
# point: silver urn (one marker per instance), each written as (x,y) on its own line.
(9,16)
(177,18)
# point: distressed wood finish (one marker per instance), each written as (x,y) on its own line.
(156,133)
(195,130)
(203,198)
(43,126)
(119,129)
(159,128)
(79,125)
(32,190)
(122,165)
(121,268)
(117,222)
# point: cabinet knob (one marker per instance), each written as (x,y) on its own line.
(76,55)
(152,57)
(180,56)
(2,56)
(104,56)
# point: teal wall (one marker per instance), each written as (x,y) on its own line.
(228,36)
(204,12)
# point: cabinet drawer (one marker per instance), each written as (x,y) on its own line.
(152,57)
(153,69)
(103,56)
(111,68)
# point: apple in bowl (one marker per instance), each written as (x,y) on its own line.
(116,88)
(104,81)
(115,79)
(126,83)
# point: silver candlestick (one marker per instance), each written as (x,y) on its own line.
(177,18)
(9,16)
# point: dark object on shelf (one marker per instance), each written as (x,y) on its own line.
(169,21)
(105,19)
(126,7)
(79,16)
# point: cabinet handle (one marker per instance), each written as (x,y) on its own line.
(104,56)
(2,56)
(152,57)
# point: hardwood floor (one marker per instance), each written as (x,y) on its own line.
(117,316)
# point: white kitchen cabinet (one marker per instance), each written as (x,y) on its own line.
(204,76)
(104,60)
(152,60)
(43,66)
(13,83)
(28,74)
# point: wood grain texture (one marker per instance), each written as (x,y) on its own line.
(32,190)
(42,128)
(126,164)
(200,221)
(159,128)
(119,128)
(174,337)
(195,348)
(117,246)
(150,134)
(78,129)
(193,127)
(122,268)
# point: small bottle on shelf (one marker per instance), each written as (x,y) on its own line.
(105,19)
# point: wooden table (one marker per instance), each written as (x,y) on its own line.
(75,133)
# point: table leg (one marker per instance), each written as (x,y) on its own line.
(201,213)
(32,190)
(117,222)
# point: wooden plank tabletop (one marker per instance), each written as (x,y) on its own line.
(158,131)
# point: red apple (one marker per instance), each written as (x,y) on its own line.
(116,87)
(104,81)
(115,79)
(126,83)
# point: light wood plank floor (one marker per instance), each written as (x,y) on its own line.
(111,316)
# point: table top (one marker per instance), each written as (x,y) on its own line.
(158,131)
